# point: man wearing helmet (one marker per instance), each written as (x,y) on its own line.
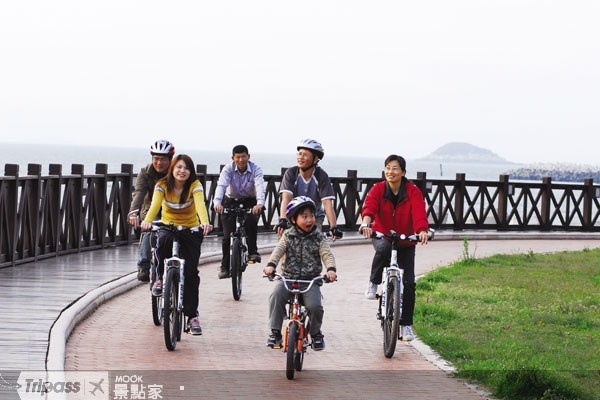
(306,252)
(308,179)
(162,152)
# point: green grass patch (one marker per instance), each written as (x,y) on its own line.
(526,326)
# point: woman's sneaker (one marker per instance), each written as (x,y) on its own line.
(407,333)
(371,291)
(194,326)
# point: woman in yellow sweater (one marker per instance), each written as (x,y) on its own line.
(179,197)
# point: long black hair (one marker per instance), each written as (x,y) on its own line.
(170,179)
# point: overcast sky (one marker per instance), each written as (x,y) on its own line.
(366,78)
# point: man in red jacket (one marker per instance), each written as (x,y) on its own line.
(395,204)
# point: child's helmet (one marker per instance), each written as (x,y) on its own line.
(297,204)
(312,145)
(162,148)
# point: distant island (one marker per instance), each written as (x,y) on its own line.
(464,153)
(460,152)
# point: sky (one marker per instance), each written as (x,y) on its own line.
(365,78)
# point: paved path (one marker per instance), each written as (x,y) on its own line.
(231,360)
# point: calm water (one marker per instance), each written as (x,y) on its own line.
(45,155)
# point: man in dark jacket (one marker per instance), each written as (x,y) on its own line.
(162,152)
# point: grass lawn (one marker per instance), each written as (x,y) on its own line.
(526,326)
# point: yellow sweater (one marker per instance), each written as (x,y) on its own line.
(184,214)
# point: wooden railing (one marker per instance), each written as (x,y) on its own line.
(47,216)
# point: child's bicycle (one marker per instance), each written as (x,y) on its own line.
(295,334)
(238,259)
(172,288)
(392,290)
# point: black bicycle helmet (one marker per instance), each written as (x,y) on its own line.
(299,203)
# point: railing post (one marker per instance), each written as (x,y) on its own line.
(53,188)
(459,201)
(125,197)
(352,191)
(546,202)
(78,194)
(503,202)
(11,215)
(588,199)
(102,213)
(421,183)
(33,206)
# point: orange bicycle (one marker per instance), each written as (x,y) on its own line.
(295,334)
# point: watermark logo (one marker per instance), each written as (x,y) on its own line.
(60,384)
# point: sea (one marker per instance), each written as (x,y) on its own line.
(272,164)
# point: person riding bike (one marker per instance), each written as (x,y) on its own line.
(306,251)
(395,204)
(162,152)
(241,182)
(308,179)
(181,197)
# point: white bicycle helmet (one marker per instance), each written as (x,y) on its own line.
(298,203)
(162,148)
(312,145)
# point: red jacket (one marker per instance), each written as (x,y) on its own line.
(408,217)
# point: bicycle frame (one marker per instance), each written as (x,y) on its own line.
(240,232)
(238,249)
(390,271)
(173,316)
(175,262)
(298,318)
(390,304)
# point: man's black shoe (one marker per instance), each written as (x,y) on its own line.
(318,343)
(223,273)
(254,258)
(143,275)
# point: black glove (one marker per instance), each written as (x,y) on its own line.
(283,223)
(336,232)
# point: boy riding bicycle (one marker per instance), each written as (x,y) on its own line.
(306,251)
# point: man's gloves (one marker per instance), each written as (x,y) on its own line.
(283,224)
(336,232)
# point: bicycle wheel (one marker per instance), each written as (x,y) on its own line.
(178,312)
(391,323)
(157,310)
(292,350)
(235,268)
(170,314)
(299,357)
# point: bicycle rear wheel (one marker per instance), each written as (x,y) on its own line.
(235,268)
(292,350)
(170,313)
(391,322)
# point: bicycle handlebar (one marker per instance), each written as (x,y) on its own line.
(158,225)
(286,281)
(237,210)
(400,237)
